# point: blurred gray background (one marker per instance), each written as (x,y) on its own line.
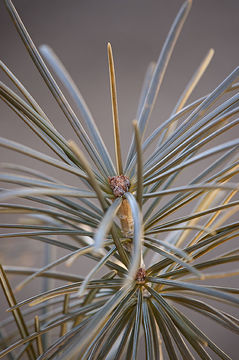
(79,31)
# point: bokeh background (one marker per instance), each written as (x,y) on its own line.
(79,31)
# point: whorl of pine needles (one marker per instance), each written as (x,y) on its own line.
(152,261)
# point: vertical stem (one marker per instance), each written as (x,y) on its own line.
(126,219)
(38,339)
(49,256)
(63,330)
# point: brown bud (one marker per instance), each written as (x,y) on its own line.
(140,276)
(119,184)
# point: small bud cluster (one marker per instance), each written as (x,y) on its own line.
(140,276)
(119,184)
